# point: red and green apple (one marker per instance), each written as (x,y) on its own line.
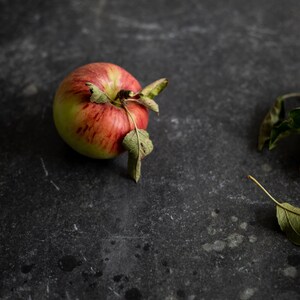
(98,104)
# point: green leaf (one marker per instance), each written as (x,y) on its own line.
(275,126)
(149,103)
(275,114)
(138,145)
(154,88)
(285,128)
(288,216)
(97,95)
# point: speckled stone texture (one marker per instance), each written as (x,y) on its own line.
(194,227)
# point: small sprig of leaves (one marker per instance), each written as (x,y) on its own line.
(137,141)
(288,216)
(147,94)
(277,125)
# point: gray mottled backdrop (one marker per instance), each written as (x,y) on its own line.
(194,227)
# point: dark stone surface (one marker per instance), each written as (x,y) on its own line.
(194,227)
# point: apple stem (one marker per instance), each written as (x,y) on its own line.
(133,121)
(135,126)
(133,100)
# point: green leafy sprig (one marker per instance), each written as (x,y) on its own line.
(137,141)
(277,125)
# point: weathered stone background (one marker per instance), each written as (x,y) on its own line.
(194,227)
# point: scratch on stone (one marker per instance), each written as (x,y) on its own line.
(83,256)
(47,288)
(127,237)
(136,24)
(114,292)
(261,31)
(68,296)
(56,187)
(171,217)
(44,167)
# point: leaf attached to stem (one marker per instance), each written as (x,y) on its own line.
(138,145)
(288,216)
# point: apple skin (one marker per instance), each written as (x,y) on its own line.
(92,129)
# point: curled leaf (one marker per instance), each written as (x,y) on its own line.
(149,103)
(275,126)
(275,114)
(285,128)
(97,95)
(138,145)
(154,88)
(288,216)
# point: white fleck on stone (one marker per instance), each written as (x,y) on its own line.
(234,219)
(252,238)
(85,30)
(207,247)
(234,240)
(290,272)
(247,293)
(30,90)
(243,225)
(266,168)
(218,245)
(214,214)
(187,283)
(175,122)
(171,297)
(211,230)
(44,54)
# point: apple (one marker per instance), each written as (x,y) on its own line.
(92,129)
(98,104)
